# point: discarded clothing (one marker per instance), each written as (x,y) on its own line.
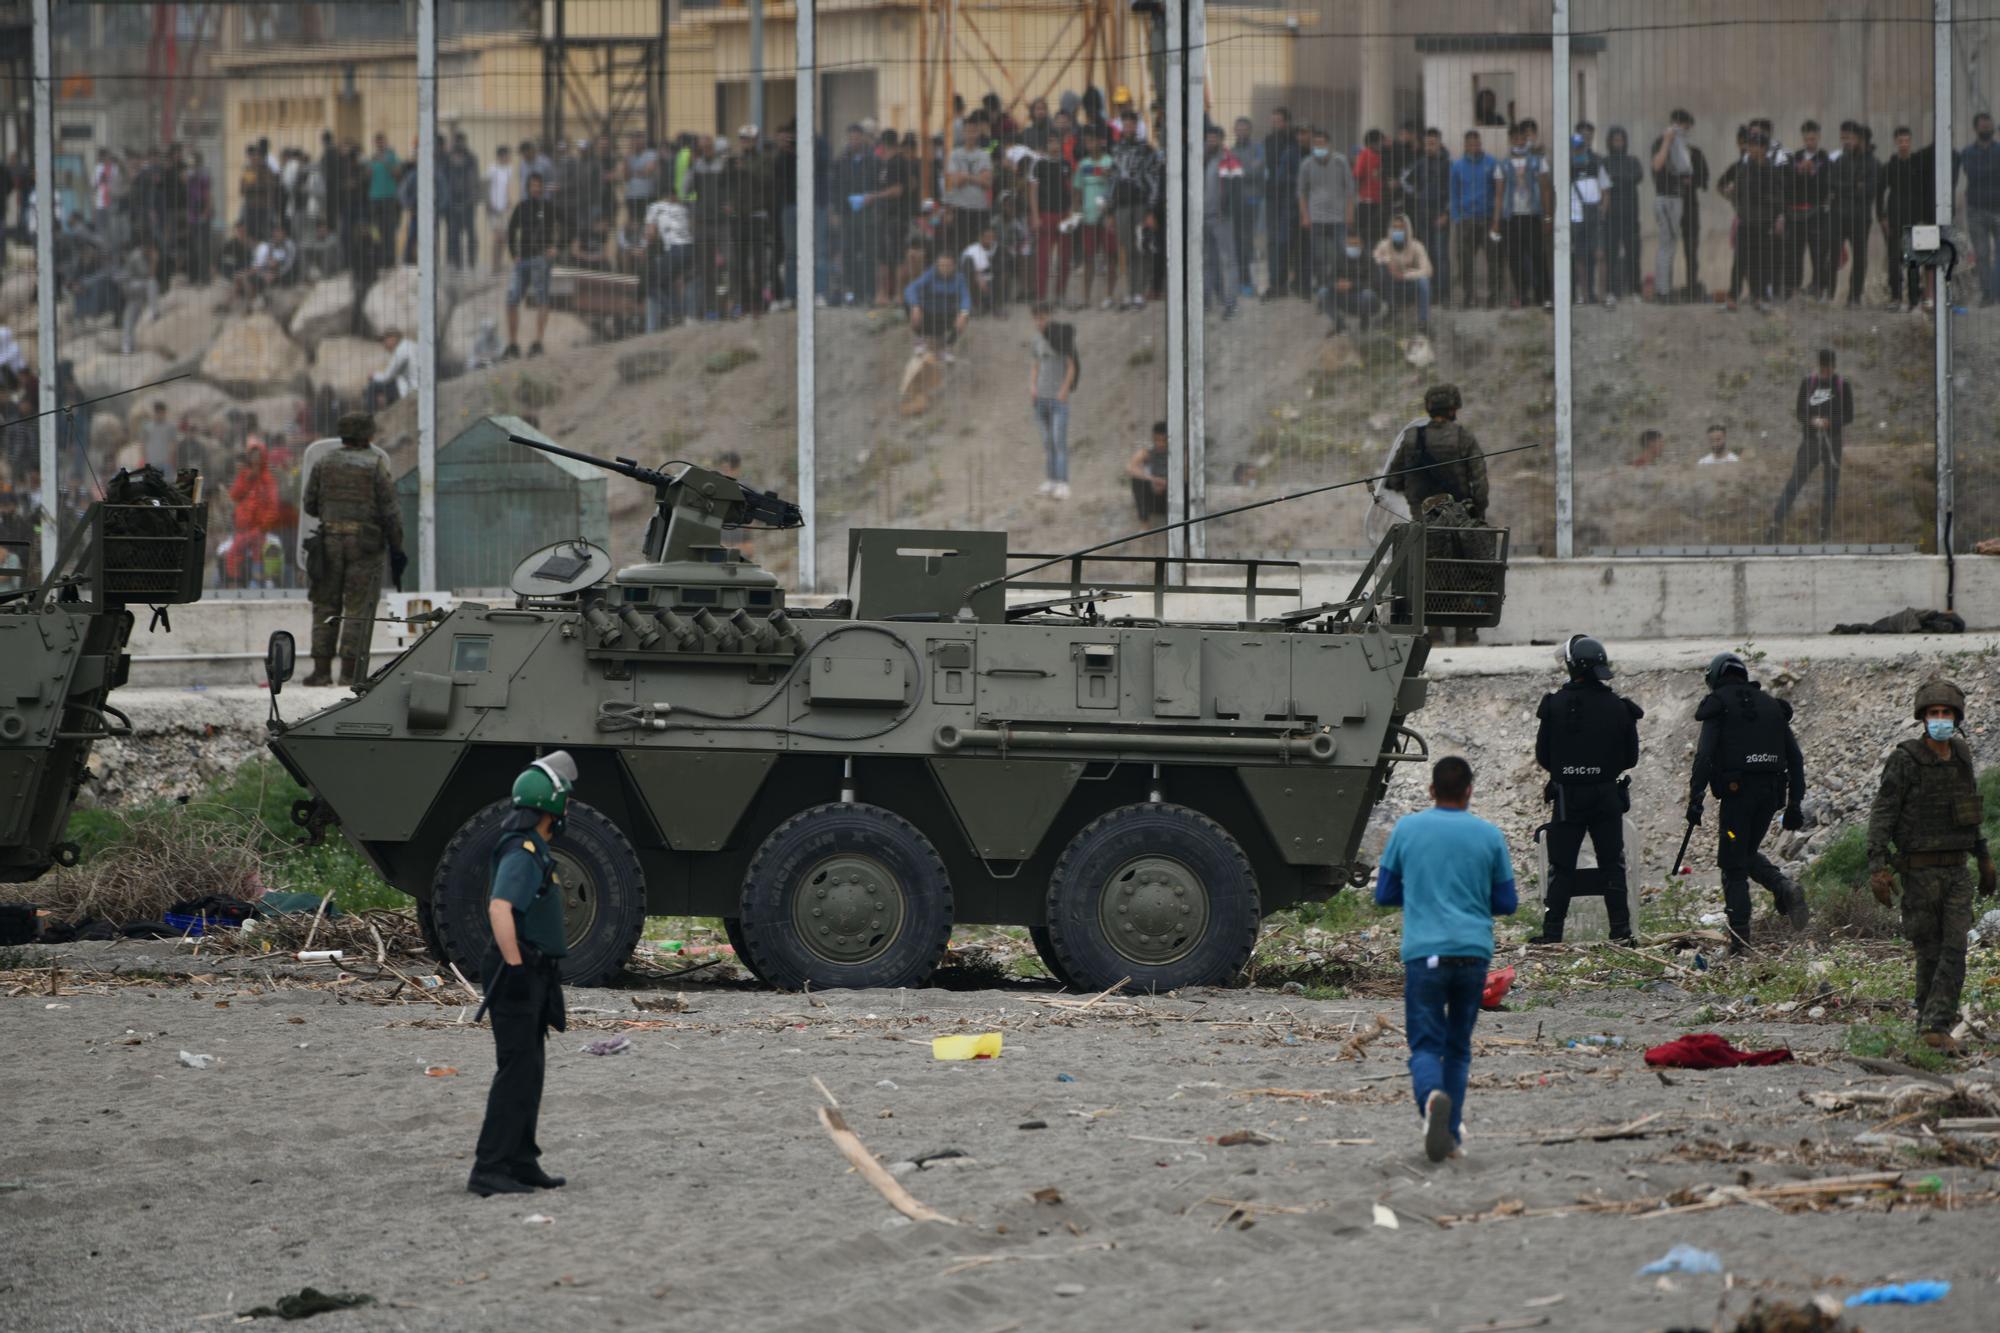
(1705,1050)
(216,910)
(308,1302)
(1909,620)
(1683,1259)
(1497,985)
(1902,1293)
(288,901)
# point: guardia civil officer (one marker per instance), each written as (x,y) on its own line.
(1589,737)
(1929,807)
(1750,761)
(523,985)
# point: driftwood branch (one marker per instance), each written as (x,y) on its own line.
(872,1171)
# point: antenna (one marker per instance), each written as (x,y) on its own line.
(978,588)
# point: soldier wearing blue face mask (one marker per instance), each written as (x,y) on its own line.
(1929,808)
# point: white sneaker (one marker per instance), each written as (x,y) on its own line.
(1138,303)
(1046,488)
(923,346)
(820,301)
(1060,490)
(950,357)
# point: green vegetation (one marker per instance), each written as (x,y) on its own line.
(1900,1042)
(252,807)
(728,359)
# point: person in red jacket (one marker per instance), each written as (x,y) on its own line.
(254,496)
(1369,217)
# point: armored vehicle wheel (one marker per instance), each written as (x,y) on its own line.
(1157,893)
(1047,951)
(845,896)
(427,926)
(733,927)
(604,892)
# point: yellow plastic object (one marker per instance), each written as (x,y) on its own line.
(972,1046)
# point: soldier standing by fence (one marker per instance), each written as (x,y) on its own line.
(350,493)
(1929,807)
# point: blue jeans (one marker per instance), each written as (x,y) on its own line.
(1440,1005)
(1397,294)
(1984,224)
(1052,415)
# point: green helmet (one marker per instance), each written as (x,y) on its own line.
(1442,398)
(545,784)
(1937,692)
(358,427)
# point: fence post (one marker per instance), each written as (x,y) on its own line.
(1565,382)
(427,279)
(50,499)
(1195,153)
(807,83)
(1178,277)
(1941,329)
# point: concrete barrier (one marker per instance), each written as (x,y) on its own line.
(220,641)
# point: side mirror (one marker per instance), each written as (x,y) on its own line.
(280,656)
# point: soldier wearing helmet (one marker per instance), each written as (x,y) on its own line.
(1589,736)
(1749,759)
(523,983)
(1929,809)
(1440,462)
(352,496)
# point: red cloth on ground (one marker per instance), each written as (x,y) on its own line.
(1705,1050)
(1497,984)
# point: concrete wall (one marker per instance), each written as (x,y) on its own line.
(221,642)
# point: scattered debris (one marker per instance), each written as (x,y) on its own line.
(1386,1217)
(193,1061)
(617,1045)
(1902,1293)
(872,1171)
(307,1302)
(1705,1050)
(536,1219)
(966,1046)
(1356,1046)
(440,1071)
(1243,1138)
(1683,1259)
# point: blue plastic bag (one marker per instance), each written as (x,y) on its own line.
(1901,1293)
(1683,1259)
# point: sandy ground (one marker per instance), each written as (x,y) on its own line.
(147,1195)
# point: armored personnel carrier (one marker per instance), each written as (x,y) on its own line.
(842,783)
(62,651)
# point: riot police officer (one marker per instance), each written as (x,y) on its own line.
(1589,737)
(523,983)
(1749,759)
(1929,807)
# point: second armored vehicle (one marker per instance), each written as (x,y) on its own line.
(841,784)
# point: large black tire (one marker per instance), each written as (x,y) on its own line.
(1156,893)
(845,896)
(603,888)
(1045,949)
(733,927)
(427,926)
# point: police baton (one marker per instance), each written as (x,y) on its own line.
(1680,857)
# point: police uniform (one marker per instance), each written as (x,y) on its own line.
(1929,808)
(525,1002)
(351,494)
(1589,736)
(1749,760)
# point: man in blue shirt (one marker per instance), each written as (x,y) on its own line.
(1449,871)
(1472,219)
(939,302)
(1981,164)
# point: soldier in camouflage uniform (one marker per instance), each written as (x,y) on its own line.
(350,493)
(1450,466)
(1929,807)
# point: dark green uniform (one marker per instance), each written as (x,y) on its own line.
(525,1002)
(350,493)
(1929,808)
(1461,474)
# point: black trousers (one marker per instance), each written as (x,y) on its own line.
(519,1007)
(1747,812)
(1856,231)
(1606,830)
(1812,454)
(1522,240)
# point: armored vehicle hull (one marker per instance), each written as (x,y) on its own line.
(843,784)
(62,653)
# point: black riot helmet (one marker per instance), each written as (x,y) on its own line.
(1585,658)
(1721,666)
